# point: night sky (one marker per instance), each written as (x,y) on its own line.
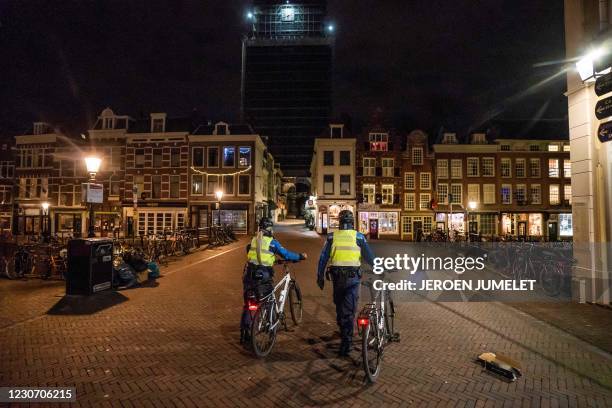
(426,63)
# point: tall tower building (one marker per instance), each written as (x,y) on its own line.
(287,77)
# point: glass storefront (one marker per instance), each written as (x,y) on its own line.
(535,224)
(160,220)
(387,222)
(237,219)
(565,225)
(333,212)
(457,221)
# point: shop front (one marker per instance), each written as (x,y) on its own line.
(523,225)
(451,221)
(559,227)
(234,215)
(327,214)
(68,222)
(566,231)
(154,220)
(6,221)
(379,223)
(413,223)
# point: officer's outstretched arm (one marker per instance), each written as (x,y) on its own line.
(278,249)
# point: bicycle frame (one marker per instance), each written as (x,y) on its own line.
(279,304)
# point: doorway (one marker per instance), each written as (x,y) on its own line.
(522,229)
(373,228)
(417,228)
(552,231)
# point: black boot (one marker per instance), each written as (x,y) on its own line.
(345,349)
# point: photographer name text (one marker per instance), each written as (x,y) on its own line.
(458,284)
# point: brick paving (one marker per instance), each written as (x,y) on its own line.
(177,345)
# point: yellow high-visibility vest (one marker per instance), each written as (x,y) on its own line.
(345,251)
(259,252)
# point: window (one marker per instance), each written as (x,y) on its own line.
(553,168)
(472,167)
(473,192)
(534,168)
(488,166)
(535,191)
(409,183)
(212,184)
(521,194)
(5,195)
(553,194)
(387,193)
(426,181)
(406,224)
(553,147)
(328,184)
(427,224)
(213,157)
(369,166)
(156,186)
(565,225)
(198,157)
(67,168)
(379,142)
(520,168)
(229,156)
(175,157)
(7,169)
(566,148)
(66,196)
(442,169)
(116,157)
(157,125)
(505,148)
(456,168)
(345,184)
(488,193)
(387,167)
(506,194)
(328,158)
(409,203)
(442,193)
(567,193)
(345,158)
(157,157)
(456,193)
(244,159)
(244,184)
(221,129)
(487,224)
(140,158)
(139,184)
(506,167)
(369,192)
(228,184)
(417,156)
(175,183)
(567,168)
(424,200)
(197,184)
(534,148)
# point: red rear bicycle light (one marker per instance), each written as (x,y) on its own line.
(363,321)
(252,305)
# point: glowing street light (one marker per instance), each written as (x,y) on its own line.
(330,28)
(585,65)
(472,205)
(250,15)
(45,221)
(93,166)
(219,195)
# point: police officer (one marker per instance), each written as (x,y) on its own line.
(344,249)
(258,273)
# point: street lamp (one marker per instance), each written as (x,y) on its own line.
(93,165)
(45,210)
(219,195)
(472,206)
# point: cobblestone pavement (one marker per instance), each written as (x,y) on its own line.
(176,344)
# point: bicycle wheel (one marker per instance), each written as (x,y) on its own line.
(371,350)
(263,334)
(295,303)
(550,279)
(390,317)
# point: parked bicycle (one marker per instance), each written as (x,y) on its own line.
(376,325)
(268,313)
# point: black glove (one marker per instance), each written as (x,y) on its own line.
(321,283)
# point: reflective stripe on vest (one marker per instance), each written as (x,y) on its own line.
(261,254)
(345,251)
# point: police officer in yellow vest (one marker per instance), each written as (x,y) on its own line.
(344,250)
(258,273)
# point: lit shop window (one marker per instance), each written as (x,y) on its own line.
(379,142)
(565,225)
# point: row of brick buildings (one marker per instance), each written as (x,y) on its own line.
(403,184)
(158,173)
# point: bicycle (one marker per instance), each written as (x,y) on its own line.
(376,325)
(269,312)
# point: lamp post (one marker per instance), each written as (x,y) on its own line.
(472,206)
(45,229)
(219,195)
(93,165)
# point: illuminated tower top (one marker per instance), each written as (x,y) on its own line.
(289,19)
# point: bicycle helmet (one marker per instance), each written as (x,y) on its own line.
(265,225)
(346,220)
